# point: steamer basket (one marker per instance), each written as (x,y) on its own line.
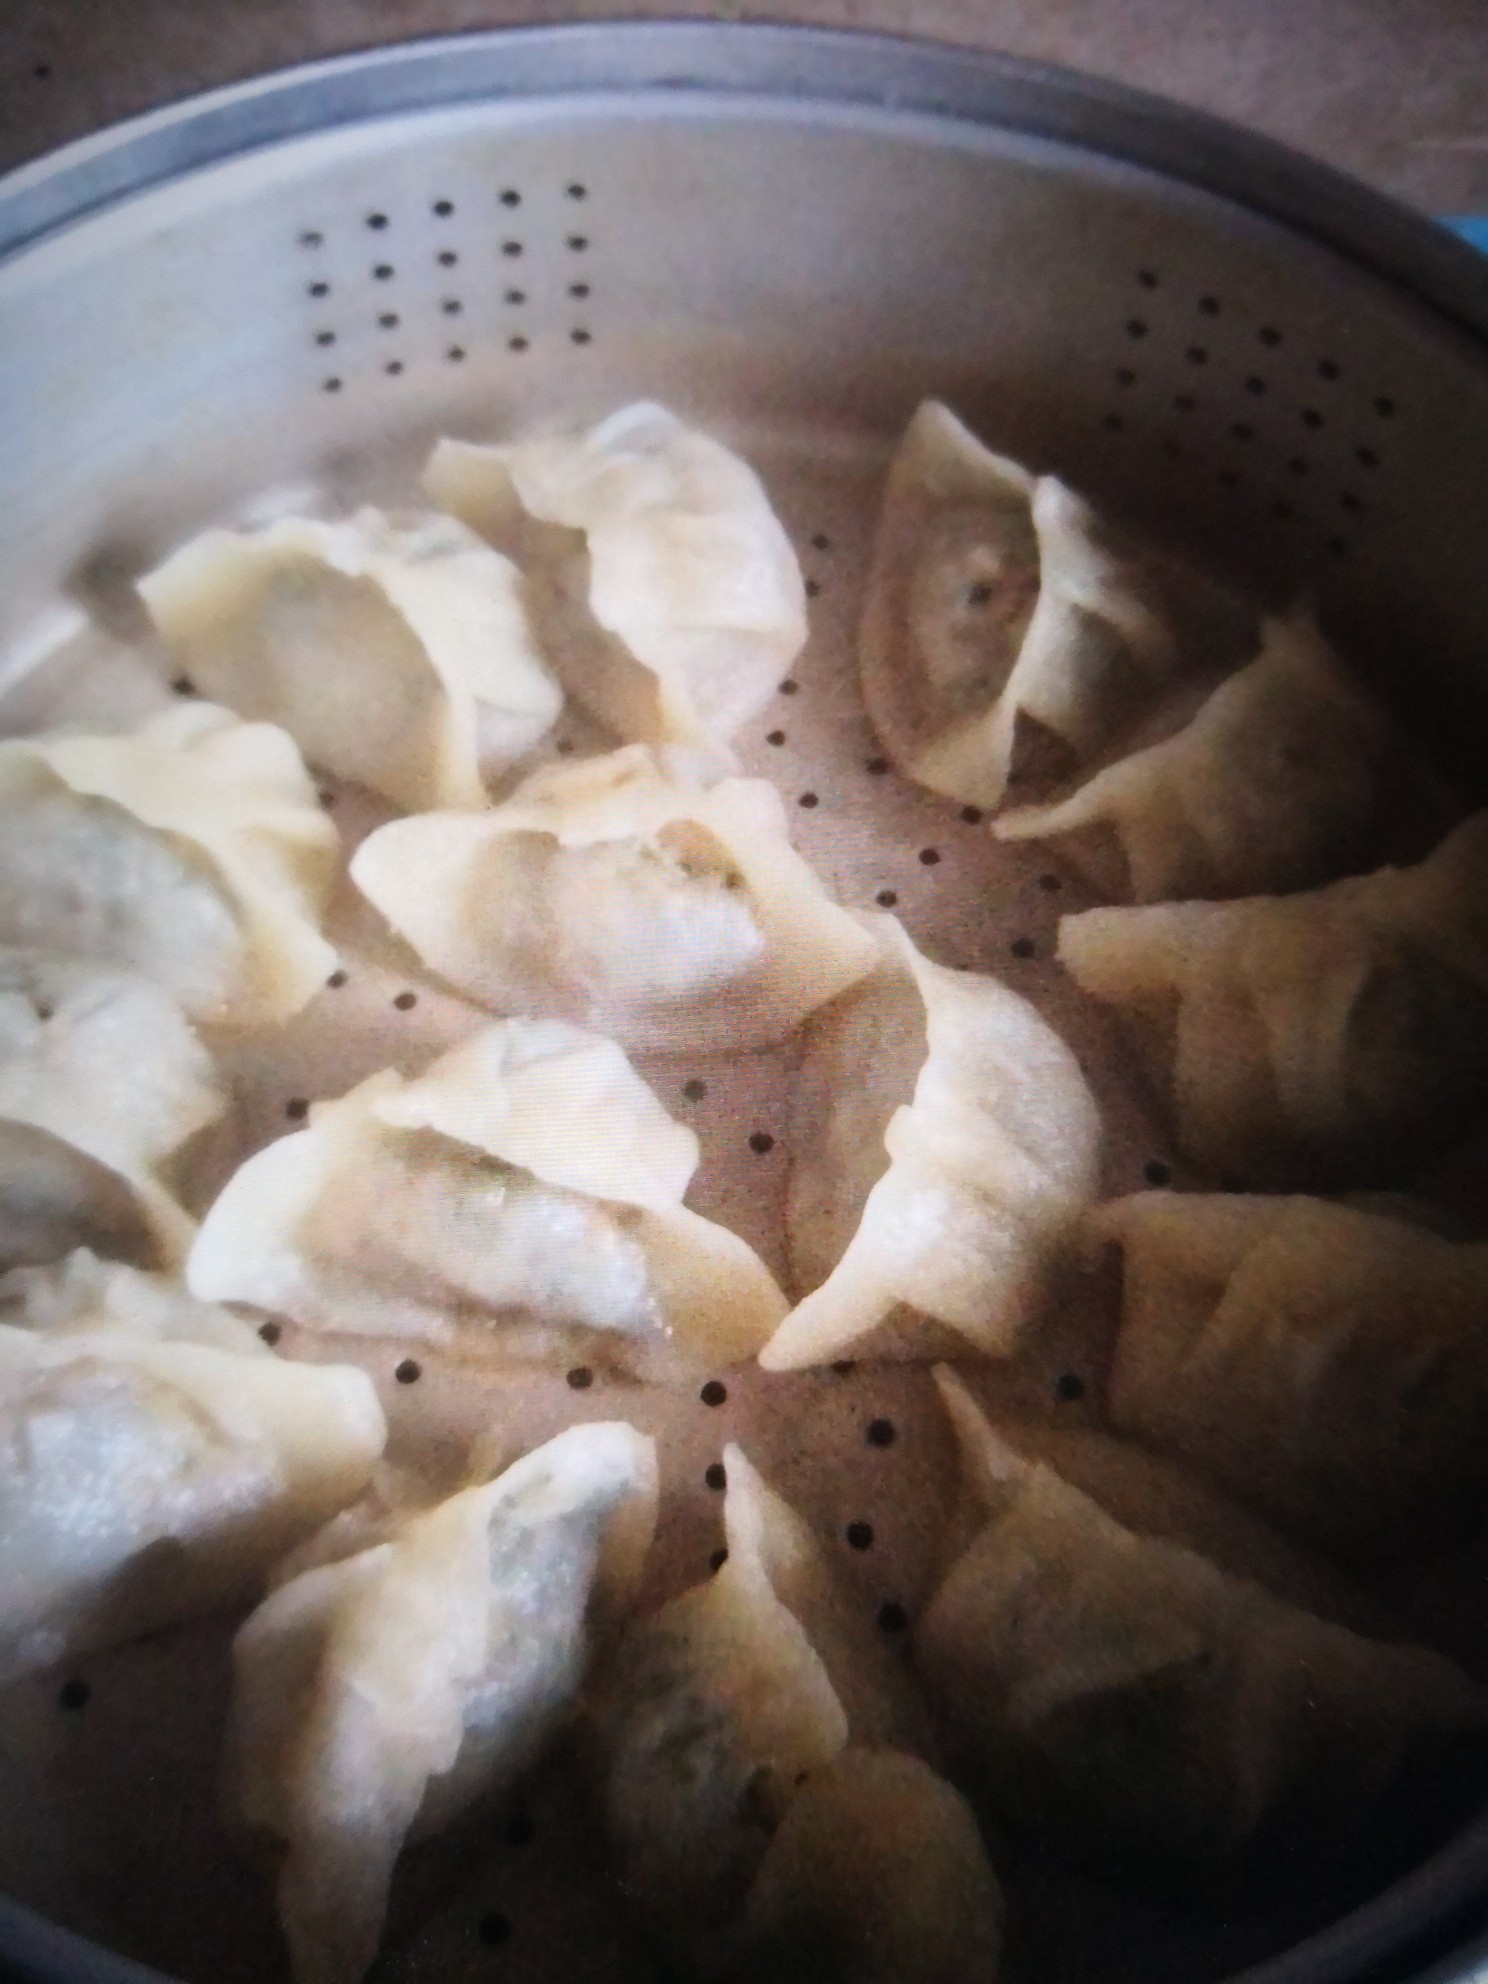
(278,294)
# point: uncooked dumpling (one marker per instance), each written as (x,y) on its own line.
(378,1696)
(1126,1698)
(84,1293)
(876,1875)
(1156,1495)
(944,1144)
(191,850)
(718,1716)
(1310,1039)
(520,1200)
(1287,778)
(992,595)
(629,893)
(155,1456)
(661,583)
(1328,1366)
(101,1083)
(396,654)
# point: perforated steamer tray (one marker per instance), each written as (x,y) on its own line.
(279,296)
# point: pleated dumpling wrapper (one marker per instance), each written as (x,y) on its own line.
(520,1201)
(633,893)
(377,1696)
(738,1725)
(944,1144)
(659,577)
(396,653)
(191,850)
(102,1081)
(993,596)
(1155,1495)
(155,1456)
(876,1874)
(1141,1707)
(1316,1039)
(1288,777)
(1327,1365)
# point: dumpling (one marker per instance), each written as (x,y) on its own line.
(993,596)
(520,1200)
(101,1083)
(1316,1038)
(723,1710)
(944,1143)
(628,893)
(396,654)
(1141,1707)
(393,1495)
(876,1875)
(84,1294)
(661,582)
(1289,776)
(378,1696)
(191,850)
(715,1705)
(54,1197)
(1327,1365)
(1158,1496)
(155,1456)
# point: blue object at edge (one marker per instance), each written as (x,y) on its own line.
(1472,227)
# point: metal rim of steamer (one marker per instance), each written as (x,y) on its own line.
(1412,1924)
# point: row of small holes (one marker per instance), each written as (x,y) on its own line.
(1256,386)
(450,306)
(1328,369)
(442,209)
(1268,334)
(819,542)
(1230,479)
(859,1534)
(877,767)
(761,1142)
(1309,416)
(929,857)
(448,259)
(713,1394)
(394,367)
(891,1615)
(1242,431)
(407,1372)
(1366,456)
(494,1927)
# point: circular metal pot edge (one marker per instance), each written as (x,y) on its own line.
(1426,1928)
(842,66)
(879,72)
(36,1951)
